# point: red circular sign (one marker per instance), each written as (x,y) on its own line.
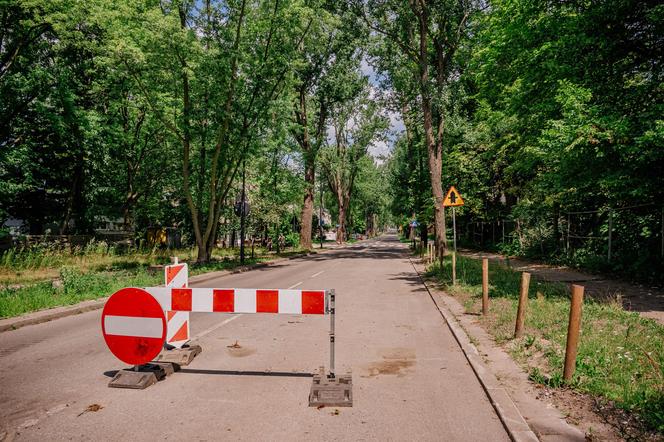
(134,326)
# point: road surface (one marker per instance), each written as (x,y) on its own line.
(411,380)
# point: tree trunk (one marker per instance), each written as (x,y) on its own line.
(434,143)
(306,217)
(341,230)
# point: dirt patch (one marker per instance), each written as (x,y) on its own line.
(600,419)
(238,351)
(241,352)
(395,361)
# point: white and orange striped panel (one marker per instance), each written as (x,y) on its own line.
(300,302)
(177,276)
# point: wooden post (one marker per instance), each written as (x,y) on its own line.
(571,349)
(485,286)
(453,268)
(523,304)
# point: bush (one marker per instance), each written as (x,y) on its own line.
(292,239)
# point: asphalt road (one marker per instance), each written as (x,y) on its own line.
(411,380)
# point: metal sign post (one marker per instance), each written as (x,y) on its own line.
(332,336)
(454,227)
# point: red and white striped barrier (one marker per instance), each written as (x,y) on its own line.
(177,300)
(177,276)
(223,300)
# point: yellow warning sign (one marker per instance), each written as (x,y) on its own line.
(453,198)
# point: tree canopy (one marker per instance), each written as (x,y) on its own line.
(148,111)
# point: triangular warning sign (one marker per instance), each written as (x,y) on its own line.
(453,198)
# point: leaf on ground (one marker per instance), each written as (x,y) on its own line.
(91,408)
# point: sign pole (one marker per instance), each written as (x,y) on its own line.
(454,227)
(455,248)
(332,306)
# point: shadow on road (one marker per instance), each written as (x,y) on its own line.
(284,374)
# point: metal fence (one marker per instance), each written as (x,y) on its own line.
(625,235)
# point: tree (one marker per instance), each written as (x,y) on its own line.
(428,34)
(210,72)
(327,59)
(357,123)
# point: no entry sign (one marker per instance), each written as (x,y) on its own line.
(134,326)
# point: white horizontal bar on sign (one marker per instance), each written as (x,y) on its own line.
(133,326)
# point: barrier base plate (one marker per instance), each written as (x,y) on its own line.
(179,356)
(334,391)
(146,375)
(168,367)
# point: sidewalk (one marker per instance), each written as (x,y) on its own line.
(647,301)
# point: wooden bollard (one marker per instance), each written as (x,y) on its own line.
(523,305)
(485,286)
(453,268)
(573,328)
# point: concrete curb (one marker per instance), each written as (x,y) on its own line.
(513,421)
(51,314)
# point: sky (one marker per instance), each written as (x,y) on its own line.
(396,124)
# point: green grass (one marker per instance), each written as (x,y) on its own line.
(29,281)
(621,354)
(74,287)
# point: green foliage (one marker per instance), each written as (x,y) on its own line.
(76,287)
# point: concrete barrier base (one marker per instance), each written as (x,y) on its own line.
(179,356)
(331,392)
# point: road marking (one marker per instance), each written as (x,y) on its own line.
(316,274)
(214,327)
(295,285)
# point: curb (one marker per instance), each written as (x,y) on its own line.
(515,424)
(51,314)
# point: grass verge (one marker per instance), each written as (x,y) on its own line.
(72,287)
(621,354)
(29,282)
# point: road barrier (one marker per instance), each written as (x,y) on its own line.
(137,323)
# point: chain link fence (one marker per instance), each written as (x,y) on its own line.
(627,240)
